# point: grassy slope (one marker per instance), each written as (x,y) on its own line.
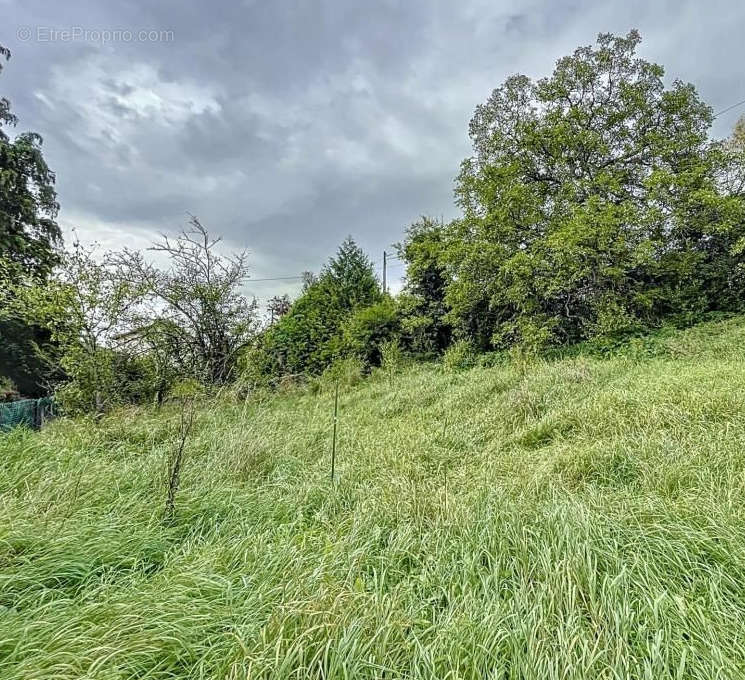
(583,518)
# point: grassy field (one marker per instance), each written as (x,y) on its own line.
(579,518)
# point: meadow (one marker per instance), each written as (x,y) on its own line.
(580,517)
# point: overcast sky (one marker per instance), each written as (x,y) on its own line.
(286,126)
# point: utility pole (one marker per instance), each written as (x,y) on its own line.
(385,290)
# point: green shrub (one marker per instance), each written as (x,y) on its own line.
(97,381)
(459,356)
(369,328)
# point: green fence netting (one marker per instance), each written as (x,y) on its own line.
(30,412)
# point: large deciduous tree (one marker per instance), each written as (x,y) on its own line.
(594,203)
(29,233)
(29,244)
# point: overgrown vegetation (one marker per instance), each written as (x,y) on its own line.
(595,207)
(578,519)
(332,317)
(558,496)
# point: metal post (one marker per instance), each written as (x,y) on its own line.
(333,445)
(385,290)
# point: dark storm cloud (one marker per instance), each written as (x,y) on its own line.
(286,126)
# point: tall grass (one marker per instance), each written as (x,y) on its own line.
(581,518)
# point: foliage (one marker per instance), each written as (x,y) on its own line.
(367,329)
(310,335)
(122,330)
(8,390)
(83,308)
(584,520)
(29,233)
(29,239)
(425,331)
(459,356)
(98,381)
(21,338)
(594,204)
(192,315)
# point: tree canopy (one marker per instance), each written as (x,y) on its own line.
(422,302)
(195,308)
(29,233)
(309,336)
(29,244)
(594,203)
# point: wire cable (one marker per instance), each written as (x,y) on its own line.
(729,108)
(299,277)
(276,278)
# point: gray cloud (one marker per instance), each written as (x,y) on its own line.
(286,126)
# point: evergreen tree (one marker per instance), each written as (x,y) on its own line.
(309,336)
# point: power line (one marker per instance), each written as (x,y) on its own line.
(729,108)
(276,278)
(299,277)
(379,262)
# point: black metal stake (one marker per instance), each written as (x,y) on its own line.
(333,445)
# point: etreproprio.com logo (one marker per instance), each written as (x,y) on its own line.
(53,34)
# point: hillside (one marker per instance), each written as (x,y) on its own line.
(581,517)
